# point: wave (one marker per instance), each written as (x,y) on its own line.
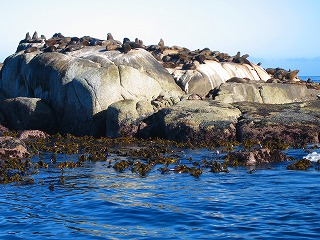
(314,157)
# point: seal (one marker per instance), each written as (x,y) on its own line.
(27,38)
(161,43)
(195,96)
(292,74)
(51,48)
(35,36)
(30,50)
(126,48)
(200,58)
(238,80)
(109,36)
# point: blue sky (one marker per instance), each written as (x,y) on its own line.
(279,33)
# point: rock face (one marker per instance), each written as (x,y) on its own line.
(28,113)
(258,156)
(88,86)
(194,120)
(124,117)
(12,148)
(269,93)
(212,74)
(295,123)
(81,84)
(213,122)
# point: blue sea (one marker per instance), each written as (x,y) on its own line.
(313,78)
(96,202)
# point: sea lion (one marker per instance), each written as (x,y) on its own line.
(58,35)
(35,36)
(292,74)
(50,49)
(61,46)
(126,47)
(272,80)
(125,40)
(109,36)
(113,45)
(161,43)
(238,80)
(200,58)
(27,38)
(169,64)
(30,50)
(206,51)
(189,66)
(194,96)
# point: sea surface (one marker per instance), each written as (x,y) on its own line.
(314,78)
(96,202)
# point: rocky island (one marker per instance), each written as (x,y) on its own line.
(111,88)
(86,97)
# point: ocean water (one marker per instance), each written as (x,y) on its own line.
(96,202)
(314,78)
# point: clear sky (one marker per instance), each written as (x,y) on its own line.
(279,33)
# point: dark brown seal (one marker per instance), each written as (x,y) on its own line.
(238,80)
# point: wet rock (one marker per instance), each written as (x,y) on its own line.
(302,164)
(3,130)
(23,113)
(195,121)
(12,148)
(124,117)
(258,156)
(269,93)
(294,124)
(31,134)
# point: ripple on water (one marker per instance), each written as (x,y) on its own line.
(95,202)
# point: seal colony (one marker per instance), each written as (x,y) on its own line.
(175,57)
(89,87)
(110,88)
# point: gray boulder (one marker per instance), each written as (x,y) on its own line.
(194,120)
(80,85)
(269,93)
(292,123)
(124,117)
(28,113)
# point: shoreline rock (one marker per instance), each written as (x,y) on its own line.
(89,86)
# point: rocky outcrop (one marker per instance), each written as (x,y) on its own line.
(32,134)
(194,120)
(12,148)
(80,85)
(212,74)
(213,122)
(269,93)
(28,113)
(258,156)
(294,124)
(88,86)
(124,117)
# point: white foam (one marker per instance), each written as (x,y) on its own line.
(314,157)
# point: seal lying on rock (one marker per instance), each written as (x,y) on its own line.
(282,74)
(238,80)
